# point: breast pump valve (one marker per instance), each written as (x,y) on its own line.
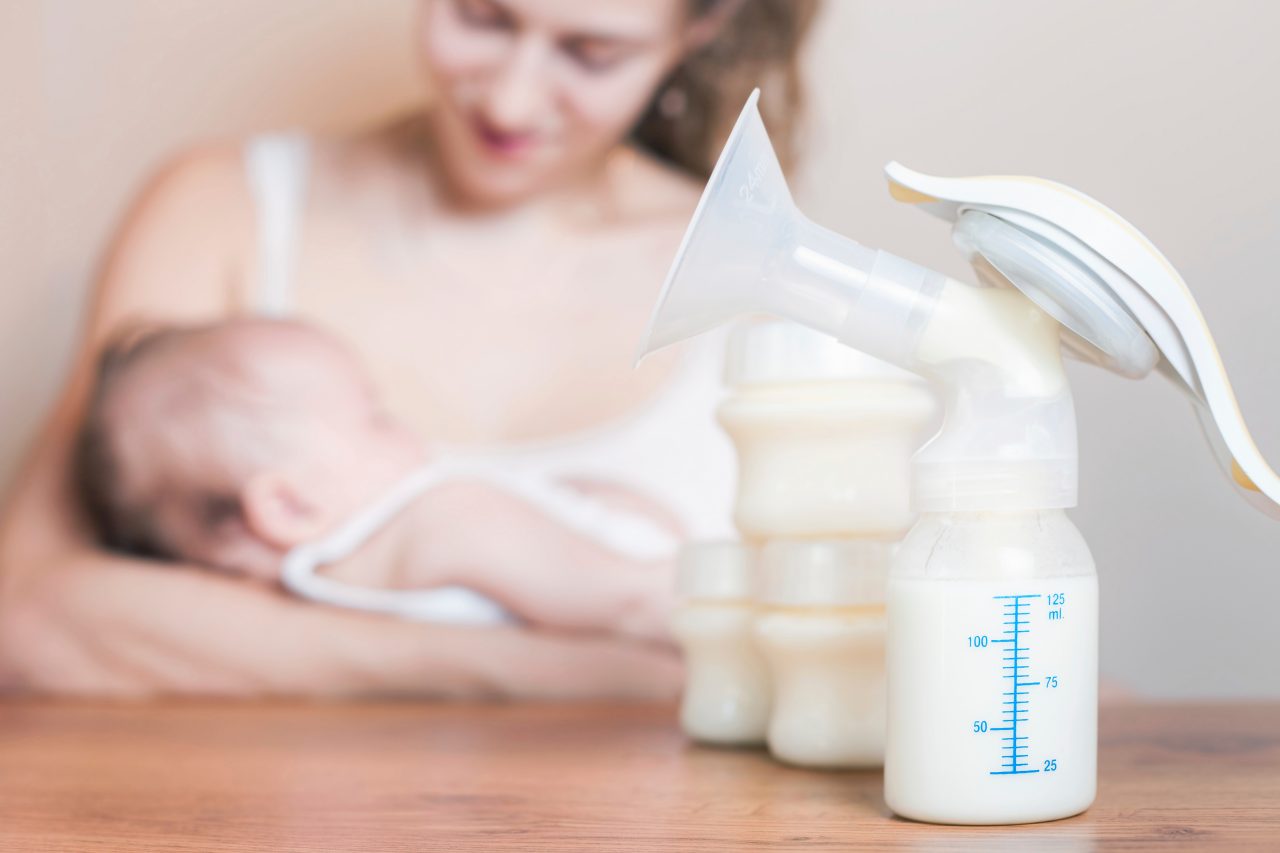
(992,597)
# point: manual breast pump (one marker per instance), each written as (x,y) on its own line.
(992,598)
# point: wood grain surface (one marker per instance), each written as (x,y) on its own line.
(396,777)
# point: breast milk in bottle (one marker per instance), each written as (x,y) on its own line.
(822,631)
(993,669)
(824,435)
(727,692)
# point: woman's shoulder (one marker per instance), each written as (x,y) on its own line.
(211,173)
(187,228)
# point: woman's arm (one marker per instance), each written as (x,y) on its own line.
(76,620)
(103,626)
(495,542)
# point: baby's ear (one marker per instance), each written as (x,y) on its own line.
(278,511)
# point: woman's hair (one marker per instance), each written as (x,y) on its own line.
(693,110)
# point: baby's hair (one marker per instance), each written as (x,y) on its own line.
(178,420)
(119,520)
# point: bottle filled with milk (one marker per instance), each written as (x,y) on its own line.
(992,663)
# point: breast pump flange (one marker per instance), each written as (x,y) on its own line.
(995,479)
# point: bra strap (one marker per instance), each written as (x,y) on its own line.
(276,166)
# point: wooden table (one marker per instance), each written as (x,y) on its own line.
(390,777)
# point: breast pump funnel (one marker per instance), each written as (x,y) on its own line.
(749,250)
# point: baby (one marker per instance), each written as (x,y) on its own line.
(230,445)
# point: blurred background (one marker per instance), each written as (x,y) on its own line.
(1166,111)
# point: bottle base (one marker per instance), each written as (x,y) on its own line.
(974,818)
(826,761)
(724,735)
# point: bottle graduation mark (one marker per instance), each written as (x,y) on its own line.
(1016,705)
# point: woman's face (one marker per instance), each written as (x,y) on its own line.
(534,92)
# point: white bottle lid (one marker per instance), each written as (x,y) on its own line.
(762,352)
(824,573)
(720,570)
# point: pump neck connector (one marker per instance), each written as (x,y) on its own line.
(1008,438)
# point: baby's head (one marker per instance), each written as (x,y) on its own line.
(227,444)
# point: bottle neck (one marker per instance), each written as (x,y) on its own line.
(993,544)
(1008,441)
(945,484)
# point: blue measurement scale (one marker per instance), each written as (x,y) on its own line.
(1017,707)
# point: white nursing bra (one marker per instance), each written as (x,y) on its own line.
(624,533)
(1121,302)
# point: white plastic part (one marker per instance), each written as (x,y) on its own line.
(1008,440)
(716,571)
(824,573)
(727,694)
(1009,436)
(824,435)
(780,352)
(1065,288)
(822,630)
(749,250)
(1034,229)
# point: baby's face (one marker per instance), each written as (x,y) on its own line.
(278,417)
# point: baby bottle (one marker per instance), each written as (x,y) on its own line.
(727,692)
(993,626)
(822,631)
(824,434)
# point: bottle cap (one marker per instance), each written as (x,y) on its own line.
(762,352)
(1003,454)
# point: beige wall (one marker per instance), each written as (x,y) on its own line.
(93,95)
(1164,110)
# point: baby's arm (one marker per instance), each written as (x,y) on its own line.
(485,538)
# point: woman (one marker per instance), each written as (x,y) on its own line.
(492,260)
